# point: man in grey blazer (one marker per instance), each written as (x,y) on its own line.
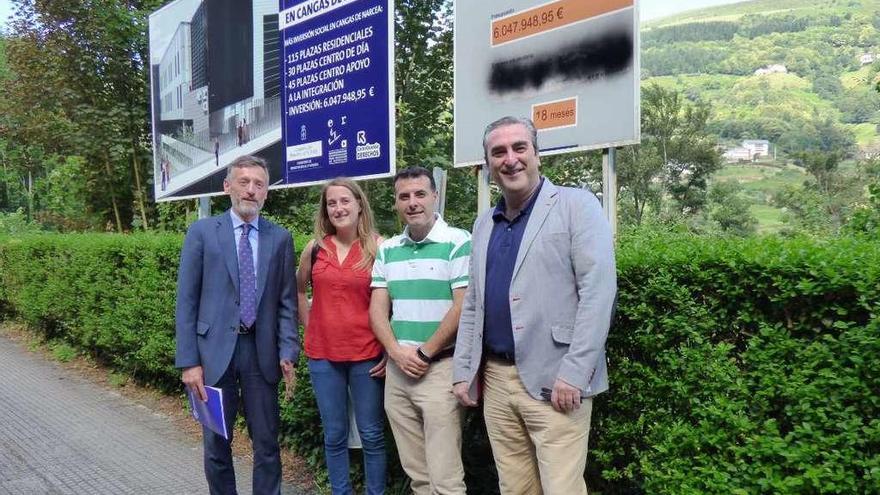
(535,318)
(236,322)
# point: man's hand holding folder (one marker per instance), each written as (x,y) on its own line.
(194,379)
(206,402)
(210,412)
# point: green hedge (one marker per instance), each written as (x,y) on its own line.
(743,367)
(737,366)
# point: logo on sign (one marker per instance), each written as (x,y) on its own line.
(364,150)
(339,155)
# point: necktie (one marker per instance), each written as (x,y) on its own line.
(247,281)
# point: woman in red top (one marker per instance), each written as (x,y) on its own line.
(344,355)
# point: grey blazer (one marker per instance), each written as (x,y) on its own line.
(561,295)
(208,311)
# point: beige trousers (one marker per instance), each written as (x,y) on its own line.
(536,449)
(425,419)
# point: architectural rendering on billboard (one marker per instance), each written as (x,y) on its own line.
(216,68)
(337,89)
(216,92)
(572,66)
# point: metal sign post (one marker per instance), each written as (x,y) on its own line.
(440,180)
(609,188)
(484,193)
(204,207)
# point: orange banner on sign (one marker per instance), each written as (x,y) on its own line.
(549,17)
(555,114)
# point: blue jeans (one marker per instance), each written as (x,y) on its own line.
(331,381)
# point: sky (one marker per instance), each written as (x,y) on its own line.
(649,9)
(159,37)
(5,12)
(653,9)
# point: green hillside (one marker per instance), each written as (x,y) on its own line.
(760,182)
(825,97)
(764,7)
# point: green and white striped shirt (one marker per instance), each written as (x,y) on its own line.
(420,277)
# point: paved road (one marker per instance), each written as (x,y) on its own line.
(60,434)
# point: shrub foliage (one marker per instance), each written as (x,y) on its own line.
(737,366)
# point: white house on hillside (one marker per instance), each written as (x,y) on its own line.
(771,69)
(737,154)
(757,147)
(749,151)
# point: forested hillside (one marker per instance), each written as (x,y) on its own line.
(825,98)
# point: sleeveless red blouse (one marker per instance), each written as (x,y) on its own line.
(339,319)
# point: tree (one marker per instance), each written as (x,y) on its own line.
(423,52)
(694,159)
(63,195)
(805,210)
(815,133)
(865,215)
(821,165)
(33,127)
(90,58)
(574,169)
(823,203)
(677,151)
(858,105)
(866,218)
(637,178)
(828,86)
(728,208)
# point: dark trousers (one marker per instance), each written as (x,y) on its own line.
(244,380)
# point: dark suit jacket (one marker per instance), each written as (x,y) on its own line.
(208,312)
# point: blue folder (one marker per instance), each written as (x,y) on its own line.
(210,413)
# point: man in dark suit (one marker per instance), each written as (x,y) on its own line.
(236,322)
(535,318)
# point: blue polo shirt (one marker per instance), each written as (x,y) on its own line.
(500,258)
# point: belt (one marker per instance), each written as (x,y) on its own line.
(243,330)
(504,357)
(445,353)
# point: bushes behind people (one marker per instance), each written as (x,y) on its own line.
(737,366)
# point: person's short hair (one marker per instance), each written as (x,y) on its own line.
(246,161)
(414,172)
(506,121)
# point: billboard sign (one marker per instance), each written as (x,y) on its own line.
(337,89)
(218,85)
(572,66)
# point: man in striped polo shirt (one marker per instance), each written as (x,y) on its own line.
(419,279)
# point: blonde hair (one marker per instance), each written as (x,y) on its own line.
(366,233)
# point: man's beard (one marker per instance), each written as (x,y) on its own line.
(247,208)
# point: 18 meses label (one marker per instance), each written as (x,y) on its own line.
(523,26)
